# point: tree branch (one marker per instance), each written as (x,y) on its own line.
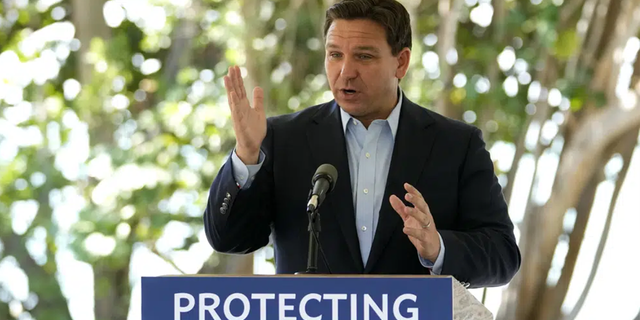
(168,260)
(595,32)
(587,17)
(624,29)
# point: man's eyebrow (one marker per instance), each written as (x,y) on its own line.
(368,48)
(360,48)
(332,46)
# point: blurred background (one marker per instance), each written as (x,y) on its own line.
(114,122)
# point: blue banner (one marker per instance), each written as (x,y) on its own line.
(297,298)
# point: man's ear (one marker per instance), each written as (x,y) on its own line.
(403,57)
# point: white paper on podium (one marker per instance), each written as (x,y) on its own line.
(466,306)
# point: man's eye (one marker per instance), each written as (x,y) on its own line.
(335,55)
(364,56)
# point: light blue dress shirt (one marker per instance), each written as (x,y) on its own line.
(369,153)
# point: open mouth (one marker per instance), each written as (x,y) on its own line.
(348,91)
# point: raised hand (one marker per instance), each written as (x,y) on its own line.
(418,223)
(249,122)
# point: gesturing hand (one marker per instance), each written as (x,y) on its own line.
(418,223)
(249,123)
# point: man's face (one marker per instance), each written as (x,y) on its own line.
(363,74)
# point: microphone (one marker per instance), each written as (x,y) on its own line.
(323,182)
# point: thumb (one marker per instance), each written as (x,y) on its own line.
(258,99)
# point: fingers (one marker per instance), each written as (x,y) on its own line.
(233,101)
(233,82)
(398,206)
(405,212)
(411,189)
(234,86)
(415,197)
(239,83)
(420,217)
(244,91)
(258,99)
(229,88)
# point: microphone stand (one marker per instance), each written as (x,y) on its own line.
(314,229)
(314,235)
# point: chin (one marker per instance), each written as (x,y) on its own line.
(354,109)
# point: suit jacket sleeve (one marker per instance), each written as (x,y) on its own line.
(238,220)
(482,250)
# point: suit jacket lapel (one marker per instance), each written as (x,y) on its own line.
(326,138)
(412,147)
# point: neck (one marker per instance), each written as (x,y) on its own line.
(383,114)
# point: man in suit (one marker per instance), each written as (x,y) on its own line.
(416,192)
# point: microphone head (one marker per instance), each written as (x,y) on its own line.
(328,172)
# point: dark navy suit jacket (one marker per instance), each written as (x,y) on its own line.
(445,159)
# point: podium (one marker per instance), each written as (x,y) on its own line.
(298,297)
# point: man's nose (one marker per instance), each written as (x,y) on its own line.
(349,69)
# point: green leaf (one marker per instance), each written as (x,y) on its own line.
(576,104)
(566,44)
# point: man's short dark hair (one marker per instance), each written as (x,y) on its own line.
(390,14)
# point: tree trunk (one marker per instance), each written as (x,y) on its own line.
(88,19)
(594,32)
(515,164)
(257,63)
(488,112)
(449,13)
(590,139)
(588,10)
(597,129)
(531,221)
(220,263)
(626,147)
(509,309)
(112,290)
(181,51)
(550,308)
(610,20)
(52,304)
(4,310)
(539,116)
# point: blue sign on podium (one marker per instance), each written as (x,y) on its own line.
(297,297)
